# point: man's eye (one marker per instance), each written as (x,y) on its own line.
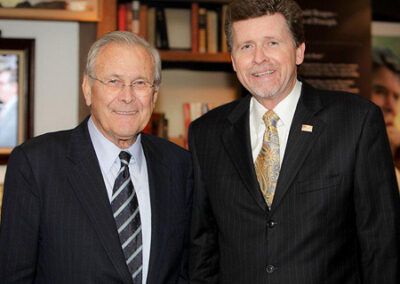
(378,89)
(113,82)
(246,46)
(272,43)
(139,83)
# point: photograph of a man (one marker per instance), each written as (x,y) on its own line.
(8,100)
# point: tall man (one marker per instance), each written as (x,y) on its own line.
(101,203)
(293,185)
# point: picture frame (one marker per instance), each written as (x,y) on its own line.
(16,93)
(73,10)
(387,34)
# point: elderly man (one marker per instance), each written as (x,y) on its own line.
(101,203)
(292,184)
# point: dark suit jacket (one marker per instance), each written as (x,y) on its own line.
(57,223)
(335,218)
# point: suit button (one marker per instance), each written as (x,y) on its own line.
(271,224)
(271,269)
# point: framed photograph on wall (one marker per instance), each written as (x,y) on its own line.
(71,10)
(16,93)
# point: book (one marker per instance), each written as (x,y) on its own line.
(195,27)
(143,21)
(178,28)
(128,17)
(161,29)
(135,25)
(212,31)
(121,17)
(224,46)
(151,26)
(202,30)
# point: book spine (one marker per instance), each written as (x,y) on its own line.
(224,46)
(135,17)
(195,27)
(143,21)
(128,17)
(151,26)
(161,28)
(212,34)
(121,17)
(202,30)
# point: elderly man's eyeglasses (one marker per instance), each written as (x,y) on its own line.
(140,86)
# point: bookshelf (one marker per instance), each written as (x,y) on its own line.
(188,74)
(181,56)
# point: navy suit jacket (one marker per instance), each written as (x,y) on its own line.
(335,217)
(57,223)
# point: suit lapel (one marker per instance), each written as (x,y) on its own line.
(299,142)
(88,184)
(236,139)
(158,175)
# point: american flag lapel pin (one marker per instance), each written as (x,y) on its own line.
(306,128)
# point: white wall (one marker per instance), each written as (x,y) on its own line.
(56,72)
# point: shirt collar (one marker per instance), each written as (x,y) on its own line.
(284,109)
(107,152)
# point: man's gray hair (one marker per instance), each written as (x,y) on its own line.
(123,37)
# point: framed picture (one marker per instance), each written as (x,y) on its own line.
(386,36)
(72,10)
(16,93)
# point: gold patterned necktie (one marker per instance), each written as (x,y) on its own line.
(267,164)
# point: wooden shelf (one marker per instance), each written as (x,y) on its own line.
(188,56)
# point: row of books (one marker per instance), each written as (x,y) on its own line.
(158,124)
(128,16)
(210,30)
(198,29)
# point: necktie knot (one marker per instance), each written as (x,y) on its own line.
(125,157)
(270,118)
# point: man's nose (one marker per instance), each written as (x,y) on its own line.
(260,55)
(127,93)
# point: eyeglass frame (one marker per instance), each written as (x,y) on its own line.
(123,84)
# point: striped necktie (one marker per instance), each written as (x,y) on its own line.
(125,207)
(267,164)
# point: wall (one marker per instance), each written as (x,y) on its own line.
(56,72)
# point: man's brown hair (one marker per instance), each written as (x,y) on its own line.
(247,9)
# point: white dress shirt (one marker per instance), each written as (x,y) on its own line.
(107,155)
(284,109)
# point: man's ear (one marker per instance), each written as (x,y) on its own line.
(87,90)
(233,63)
(155,96)
(300,53)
